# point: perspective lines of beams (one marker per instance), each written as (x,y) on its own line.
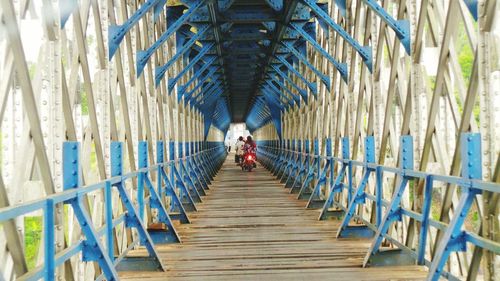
(252,55)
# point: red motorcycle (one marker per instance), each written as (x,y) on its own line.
(248,162)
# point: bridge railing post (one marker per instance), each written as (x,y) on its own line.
(312,174)
(132,218)
(359,197)
(178,182)
(454,239)
(316,199)
(165,231)
(176,209)
(394,210)
(337,186)
(92,248)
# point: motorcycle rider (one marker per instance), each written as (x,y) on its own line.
(250,148)
(239,149)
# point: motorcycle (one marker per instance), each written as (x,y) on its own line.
(248,162)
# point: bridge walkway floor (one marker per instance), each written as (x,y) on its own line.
(250,228)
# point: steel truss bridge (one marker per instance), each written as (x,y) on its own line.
(381,117)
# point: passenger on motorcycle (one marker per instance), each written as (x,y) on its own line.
(239,149)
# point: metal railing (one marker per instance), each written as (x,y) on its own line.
(328,183)
(174,180)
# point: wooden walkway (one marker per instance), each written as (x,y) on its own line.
(250,228)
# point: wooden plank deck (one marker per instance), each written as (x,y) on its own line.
(250,228)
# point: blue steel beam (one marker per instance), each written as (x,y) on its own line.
(321,22)
(276,5)
(278,27)
(213,7)
(207,89)
(210,74)
(295,98)
(158,8)
(364,52)
(161,70)
(283,86)
(117,32)
(196,75)
(310,85)
(225,4)
(209,100)
(212,88)
(276,93)
(206,64)
(210,96)
(400,27)
(191,95)
(249,16)
(258,115)
(143,56)
(341,4)
(472,6)
(215,86)
(341,67)
(275,112)
(325,79)
(302,92)
(272,96)
(66,8)
(195,60)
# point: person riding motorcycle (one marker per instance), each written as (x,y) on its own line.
(250,148)
(239,149)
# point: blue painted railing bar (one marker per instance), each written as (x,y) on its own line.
(276,155)
(177,210)
(315,197)
(338,185)
(159,236)
(359,198)
(311,174)
(91,247)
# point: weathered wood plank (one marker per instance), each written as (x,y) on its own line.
(250,228)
